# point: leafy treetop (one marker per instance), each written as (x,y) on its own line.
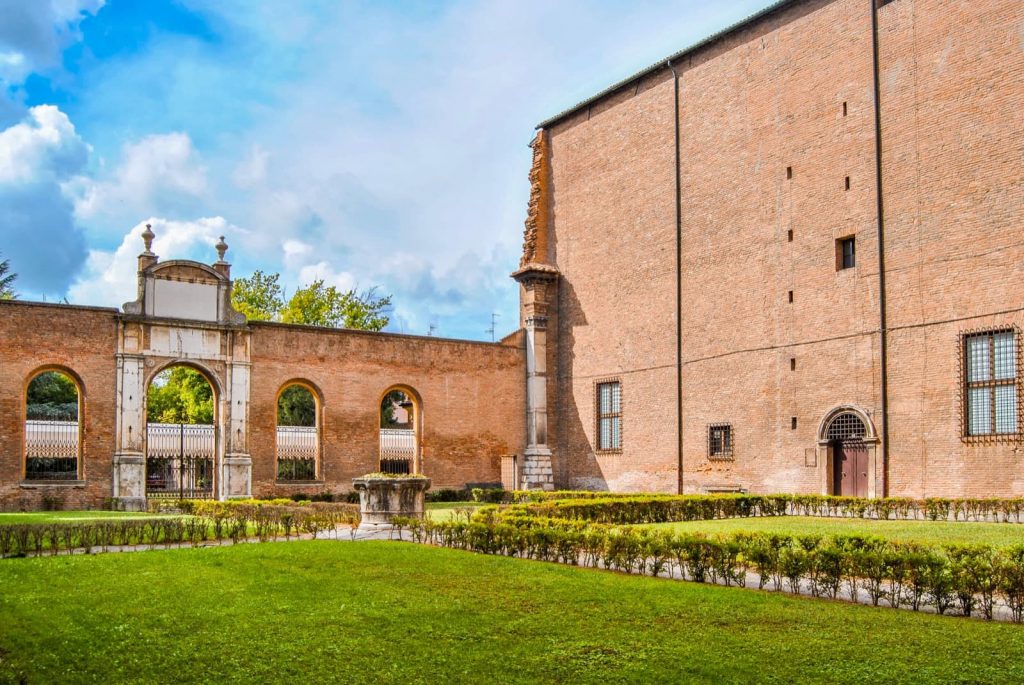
(260,297)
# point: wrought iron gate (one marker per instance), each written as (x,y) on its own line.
(179,460)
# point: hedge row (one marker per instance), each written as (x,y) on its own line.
(624,509)
(208,520)
(967,579)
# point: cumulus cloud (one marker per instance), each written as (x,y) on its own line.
(157,174)
(38,231)
(33,33)
(110,276)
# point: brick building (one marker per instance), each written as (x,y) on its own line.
(457,432)
(801,241)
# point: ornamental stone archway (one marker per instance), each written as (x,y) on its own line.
(183,316)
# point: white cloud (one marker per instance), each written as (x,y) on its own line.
(33,32)
(323,271)
(155,173)
(44,147)
(110,277)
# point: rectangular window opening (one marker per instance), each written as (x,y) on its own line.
(789,172)
(991,392)
(792,423)
(789,235)
(792,364)
(720,441)
(609,416)
(846,253)
(791,297)
(847,182)
(844,109)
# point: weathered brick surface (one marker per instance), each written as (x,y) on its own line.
(78,340)
(768,97)
(472,396)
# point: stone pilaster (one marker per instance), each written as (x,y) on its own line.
(538,281)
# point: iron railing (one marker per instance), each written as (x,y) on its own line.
(397,450)
(51,450)
(297,450)
(179,460)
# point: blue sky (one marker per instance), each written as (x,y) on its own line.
(371,144)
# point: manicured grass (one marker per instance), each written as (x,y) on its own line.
(384,612)
(70,516)
(940,532)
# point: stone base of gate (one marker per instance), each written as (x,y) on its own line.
(537,471)
(129,481)
(237,476)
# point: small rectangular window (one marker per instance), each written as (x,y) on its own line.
(789,172)
(846,253)
(990,392)
(720,441)
(609,416)
(792,423)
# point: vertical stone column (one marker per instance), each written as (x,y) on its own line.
(538,281)
(237,464)
(129,487)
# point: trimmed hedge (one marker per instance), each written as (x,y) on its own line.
(967,579)
(207,520)
(606,507)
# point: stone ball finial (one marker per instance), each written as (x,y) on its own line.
(147,238)
(222,247)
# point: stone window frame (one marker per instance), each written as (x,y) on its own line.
(598,416)
(962,361)
(80,457)
(728,451)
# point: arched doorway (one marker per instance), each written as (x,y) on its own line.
(298,433)
(181,435)
(850,440)
(401,417)
(53,404)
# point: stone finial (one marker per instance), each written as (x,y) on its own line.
(147,239)
(222,247)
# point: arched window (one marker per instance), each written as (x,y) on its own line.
(846,426)
(53,405)
(400,418)
(181,441)
(298,433)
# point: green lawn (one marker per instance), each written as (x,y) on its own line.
(69,516)
(379,612)
(998,534)
(443,511)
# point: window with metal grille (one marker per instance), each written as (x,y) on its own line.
(720,441)
(846,253)
(991,377)
(609,416)
(846,426)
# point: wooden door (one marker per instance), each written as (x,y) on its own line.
(851,468)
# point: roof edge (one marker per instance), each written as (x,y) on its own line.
(662,64)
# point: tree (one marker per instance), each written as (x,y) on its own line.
(259,296)
(296,407)
(52,396)
(7,278)
(180,395)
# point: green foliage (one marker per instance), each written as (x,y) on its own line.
(259,297)
(52,396)
(7,279)
(180,395)
(296,407)
(321,305)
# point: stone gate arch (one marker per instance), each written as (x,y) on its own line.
(183,316)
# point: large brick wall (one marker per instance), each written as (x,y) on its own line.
(778,135)
(472,397)
(78,340)
(471,393)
